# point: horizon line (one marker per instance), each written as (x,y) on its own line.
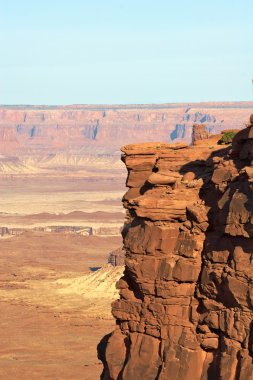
(131,105)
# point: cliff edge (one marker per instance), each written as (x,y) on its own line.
(186,297)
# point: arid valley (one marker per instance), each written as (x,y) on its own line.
(61,215)
(55,307)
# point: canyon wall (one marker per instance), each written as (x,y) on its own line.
(186,297)
(103,129)
(60,140)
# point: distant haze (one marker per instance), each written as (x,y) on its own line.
(121,52)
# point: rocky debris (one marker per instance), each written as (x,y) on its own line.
(117,257)
(186,297)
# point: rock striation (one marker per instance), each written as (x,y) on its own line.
(186,297)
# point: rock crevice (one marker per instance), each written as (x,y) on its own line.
(186,296)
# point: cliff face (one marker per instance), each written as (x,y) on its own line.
(102,129)
(186,297)
(41,140)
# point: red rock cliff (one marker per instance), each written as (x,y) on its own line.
(186,297)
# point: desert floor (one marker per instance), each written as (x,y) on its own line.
(55,306)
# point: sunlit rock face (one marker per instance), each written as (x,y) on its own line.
(186,297)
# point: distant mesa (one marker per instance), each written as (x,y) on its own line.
(44,131)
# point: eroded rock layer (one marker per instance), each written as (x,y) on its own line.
(186,296)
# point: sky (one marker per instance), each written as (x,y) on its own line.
(125,52)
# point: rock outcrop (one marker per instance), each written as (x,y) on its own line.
(199,132)
(186,297)
(117,257)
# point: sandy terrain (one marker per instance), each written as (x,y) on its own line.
(54,309)
(46,202)
(30,197)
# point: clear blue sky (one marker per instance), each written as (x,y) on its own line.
(131,51)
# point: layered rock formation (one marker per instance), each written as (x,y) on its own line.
(41,140)
(50,129)
(117,257)
(186,297)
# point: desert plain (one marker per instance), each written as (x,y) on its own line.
(55,304)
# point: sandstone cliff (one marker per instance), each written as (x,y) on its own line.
(186,297)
